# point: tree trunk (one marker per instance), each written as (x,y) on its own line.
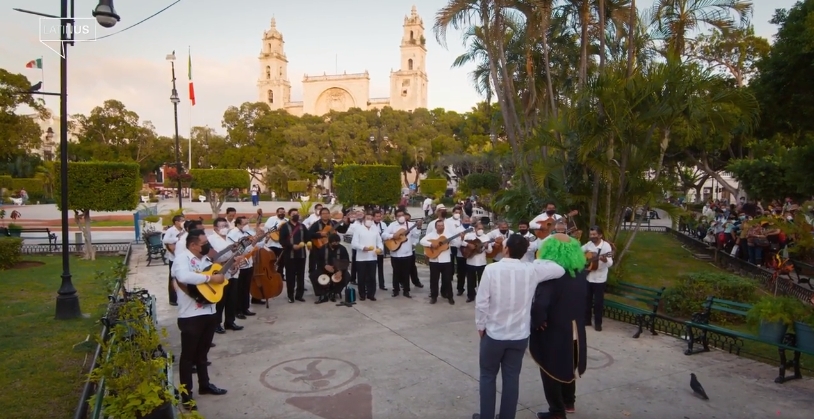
(215,202)
(82,219)
(601,35)
(594,200)
(631,44)
(584,15)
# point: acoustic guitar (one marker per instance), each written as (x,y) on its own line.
(546,226)
(208,293)
(325,232)
(274,232)
(440,245)
(478,248)
(399,238)
(593,260)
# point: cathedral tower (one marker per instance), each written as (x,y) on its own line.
(273,86)
(408,86)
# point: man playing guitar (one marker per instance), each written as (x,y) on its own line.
(170,240)
(597,279)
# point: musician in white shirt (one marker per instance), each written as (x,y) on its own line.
(550,213)
(441,266)
(367,241)
(401,258)
(500,235)
(534,243)
(312,218)
(454,225)
(503,319)
(597,280)
(357,220)
(231,214)
(228,304)
(197,321)
(380,225)
(415,237)
(170,240)
(244,277)
(477,262)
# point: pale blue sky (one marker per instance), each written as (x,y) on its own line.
(225,41)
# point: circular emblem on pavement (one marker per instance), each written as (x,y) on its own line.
(598,359)
(309,375)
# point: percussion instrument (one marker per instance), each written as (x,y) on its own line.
(324,280)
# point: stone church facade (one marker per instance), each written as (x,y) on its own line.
(340,92)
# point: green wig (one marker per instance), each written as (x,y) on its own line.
(568,254)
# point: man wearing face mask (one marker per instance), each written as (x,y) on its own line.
(170,240)
(274,246)
(246,266)
(534,243)
(477,262)
(228,303)
(312,218)
(500,235)
(367,241)
(550,213)
(401,258)
(315,232)
(454,226)
(440,267)
(326,258)
(380,226)
(414,242)
(294,238)
(597,280)
(357,220)
(196,321)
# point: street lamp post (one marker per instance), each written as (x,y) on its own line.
(175,100)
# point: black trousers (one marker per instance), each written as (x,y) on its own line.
(312,260)
(380,270)
(442,271)
(196,337)
(242,295)
(366,281)
(559,394)
(353,269)
(295,277)
(473,275)
(171,288)
(414,270)
(462,271)
(596,299)
(280,265)
(228,304)
(401,273)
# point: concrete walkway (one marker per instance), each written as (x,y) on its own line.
(404,358)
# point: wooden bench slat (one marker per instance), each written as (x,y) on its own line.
(745,306)
(729,310)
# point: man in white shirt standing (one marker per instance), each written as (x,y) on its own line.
(415,237)
(427,207)
(401,258)
(228,303)
(380,225)
(500,235)
(196,320)
(441,266)
(170,240)
(503,319)
(597,279)
(455,226)
(244,276)
(550,213)
(534,243)
(312,218)
(367,241)
(477,262)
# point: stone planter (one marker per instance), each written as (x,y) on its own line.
(805,336)
(772,331)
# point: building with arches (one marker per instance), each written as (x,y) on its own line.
(340,92)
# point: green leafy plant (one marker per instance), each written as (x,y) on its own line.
(297,186)
(773,309)
(687,295)
(10,251)
(357,184)
(435,188)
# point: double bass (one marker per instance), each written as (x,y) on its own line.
(266,282)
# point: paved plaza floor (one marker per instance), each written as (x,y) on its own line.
(404,358)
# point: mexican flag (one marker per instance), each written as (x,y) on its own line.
(191,86)
(34,63)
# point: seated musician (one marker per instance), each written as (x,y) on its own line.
(325,265)
(316,228)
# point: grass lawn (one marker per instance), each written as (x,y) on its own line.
(42,374)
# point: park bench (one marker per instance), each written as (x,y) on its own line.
(155,247)
(701,321)
(651,297)
(52,237)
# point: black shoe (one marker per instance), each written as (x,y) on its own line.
(598,328)
(395,293)
(451,301)
(460,293)
(433,300)
(249,313)
(469,299)
(212,389)
(300,299)
(333,298)
(188,403)
(305,290)
(322,299)
(362,298)
(418,285)
(173,303)
(220,330)
(371,298)
(383,288)
(407,294)
(290,300)
(234,327)
(240,316)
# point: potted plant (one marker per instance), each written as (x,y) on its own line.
(773,316)
(15,230)
(804,328)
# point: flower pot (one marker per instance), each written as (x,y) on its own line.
(14,232)
(805,336)
(165,411)
(772,331)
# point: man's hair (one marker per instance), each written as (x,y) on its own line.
(598,230)
(400,210)
(230,209)
(517,245)
(281,208)
(239,220)
(177,218)
(523,223)
(323,209)
(550,203)
(218,220)
(377,212)
(196,225)
(568,254)
(292,210)
(194,236)
(334,238)
(438,221)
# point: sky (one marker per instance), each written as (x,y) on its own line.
(321,36)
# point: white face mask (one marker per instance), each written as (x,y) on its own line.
(480,232)
(456,216)
(368,223)
(223,231)
(402,220)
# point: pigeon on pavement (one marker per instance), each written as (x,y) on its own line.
(697,388)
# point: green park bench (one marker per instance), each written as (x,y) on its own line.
(633,293)
(701,322)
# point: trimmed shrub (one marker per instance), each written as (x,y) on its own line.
(10,251)
(482,182)
(368,184)
(33,186)
(435,188)
(297,186)
(688,295)
(5,182)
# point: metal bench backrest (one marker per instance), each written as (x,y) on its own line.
(727,306)
(640,293)
(154,240)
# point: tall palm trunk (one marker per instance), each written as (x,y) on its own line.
(630,38)
(584,13)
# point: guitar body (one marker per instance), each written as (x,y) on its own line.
(497,248)
(209,293)
(323,241)
(545,229)
(593,260)
(398,239)
(443,245)
(275,235)
(478,249)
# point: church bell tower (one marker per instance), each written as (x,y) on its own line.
(273,86)
(408,86)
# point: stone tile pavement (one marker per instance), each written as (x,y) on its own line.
(404,358)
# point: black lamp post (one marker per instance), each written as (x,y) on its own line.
(175,100)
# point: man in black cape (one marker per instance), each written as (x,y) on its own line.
(557,341)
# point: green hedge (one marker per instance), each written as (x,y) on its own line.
(209,179)
(482,181)
(435,188)
(100,186)
(368,184)
(10,251)
(297,186)
(33,186)
(5,181)
(687,295)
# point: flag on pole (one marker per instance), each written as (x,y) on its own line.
(191,86)
(34,63)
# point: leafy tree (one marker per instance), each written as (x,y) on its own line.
(18,133)
(297,186)
(98,186)
(216,183)
(435,188)
(736,51)
(367,184)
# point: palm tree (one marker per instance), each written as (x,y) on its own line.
(674,20)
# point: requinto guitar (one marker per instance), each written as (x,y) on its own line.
(399,238)
(478,247)
(440,245)
(545,227)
